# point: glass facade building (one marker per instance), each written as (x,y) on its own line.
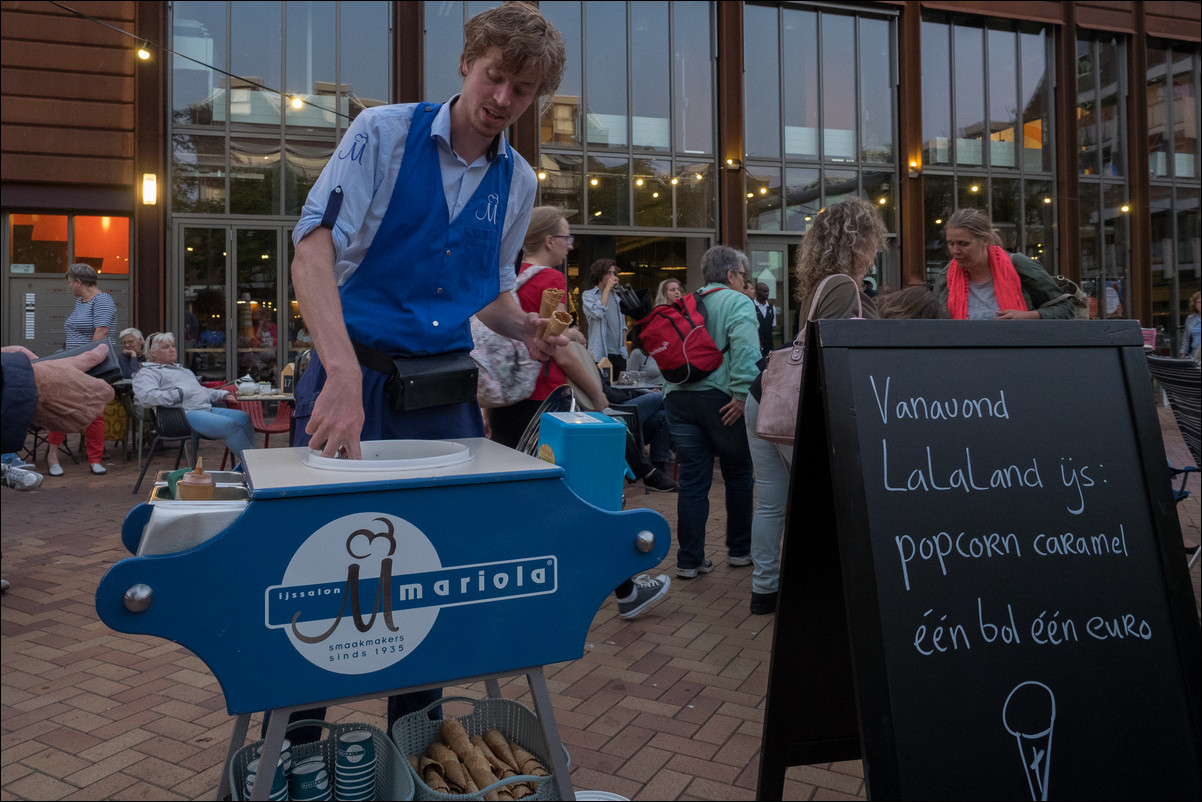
(678,124)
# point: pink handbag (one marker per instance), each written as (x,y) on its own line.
(777,420)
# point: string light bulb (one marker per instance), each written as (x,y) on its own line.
(144,51)
(297,103)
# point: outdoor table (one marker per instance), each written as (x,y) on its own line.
(482,562)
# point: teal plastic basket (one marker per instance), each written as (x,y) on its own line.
(394,778)
(415,732)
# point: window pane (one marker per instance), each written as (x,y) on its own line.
(1003,99)
(761,79)
(936,94)
(1087,105)
(876,93)
(838,89)
(255,56)
(310,69)
(198,33)
(103,243)
(39,240)
(365,55)
(968,75)
(1117,259)
(972,191)
(839,185)
(561,117)
(695,196)
(1185,116)
(1006,209)
(1111,88)
(653,188)
(1158,113)
(305,161)
(254,176)
(938,203)
(198,174)
(1036,139)
(561,186)
(650,56)
(880,190)
(803,197)
(762,189)
(608,191)
(694,82)
(258,325)
(1189,246)
(800,57)
(1091,247)
(443,46)
(605,39)
(1040,224)
(204,302)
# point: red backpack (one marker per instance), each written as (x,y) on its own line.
(676,338)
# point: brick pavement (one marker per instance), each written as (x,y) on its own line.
(668,706)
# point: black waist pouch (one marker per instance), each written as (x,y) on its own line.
(108,369)
(418,382)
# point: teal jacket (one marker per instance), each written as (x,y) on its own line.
(730,320)
(1038,288)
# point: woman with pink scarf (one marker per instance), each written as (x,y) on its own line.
(984,282)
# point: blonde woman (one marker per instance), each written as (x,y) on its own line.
(669,292)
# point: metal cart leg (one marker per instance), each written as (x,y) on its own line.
(546,716)
(269,755)
(493,687)
(241,725)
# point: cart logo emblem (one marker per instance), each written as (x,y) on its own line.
(363,591)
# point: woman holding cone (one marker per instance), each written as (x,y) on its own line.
(546,248)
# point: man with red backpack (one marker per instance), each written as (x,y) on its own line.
(705,414)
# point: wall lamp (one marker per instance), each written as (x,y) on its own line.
(915,169)
(150,189)
(734,164)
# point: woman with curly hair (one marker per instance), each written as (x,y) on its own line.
(844,241)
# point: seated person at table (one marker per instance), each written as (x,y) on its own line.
(163,382)
(132,352)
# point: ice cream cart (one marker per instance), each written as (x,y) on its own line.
(425,564)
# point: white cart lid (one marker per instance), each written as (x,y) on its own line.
(291,472)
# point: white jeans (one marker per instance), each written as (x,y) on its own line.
(772,463)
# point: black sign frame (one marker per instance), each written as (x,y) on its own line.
(829,693)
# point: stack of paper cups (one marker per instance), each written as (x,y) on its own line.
(355,766)
(310,781)
(279,784)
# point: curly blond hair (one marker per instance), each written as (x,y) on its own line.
(843,238)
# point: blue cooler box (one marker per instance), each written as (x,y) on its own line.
(591,449)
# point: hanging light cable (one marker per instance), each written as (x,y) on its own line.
(146,46)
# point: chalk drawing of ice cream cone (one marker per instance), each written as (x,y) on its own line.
(1029,715)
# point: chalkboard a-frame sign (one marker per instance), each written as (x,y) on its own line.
(984,593)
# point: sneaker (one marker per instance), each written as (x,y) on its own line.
(21,479)
(763,603)
(660,481)
(98,469)
(691,573)
(56,470)
(739,562)
(3,585)
(648,592)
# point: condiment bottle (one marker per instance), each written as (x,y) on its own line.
(607,369)
(195,485)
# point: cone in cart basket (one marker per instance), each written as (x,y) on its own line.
(279,784)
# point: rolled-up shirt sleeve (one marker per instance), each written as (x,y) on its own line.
(353,173)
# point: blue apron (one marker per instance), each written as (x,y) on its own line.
(419,283)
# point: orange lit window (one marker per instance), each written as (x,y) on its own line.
(103,243)
(40,243)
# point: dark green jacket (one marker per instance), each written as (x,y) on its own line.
(1038,288)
